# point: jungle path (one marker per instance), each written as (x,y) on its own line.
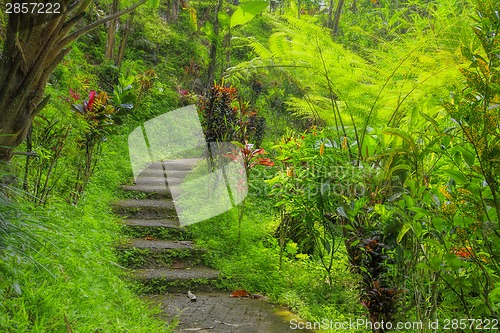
(166,262)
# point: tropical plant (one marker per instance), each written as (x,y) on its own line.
(23,79)
(219,32)
(250,160)
(226,118)
(97,113)
(312,175)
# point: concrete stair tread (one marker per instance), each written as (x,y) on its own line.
(144,203)
(165,223)
(181,164)
(173,274)
(146,188)
(161,173)
(158,181)
(159,244)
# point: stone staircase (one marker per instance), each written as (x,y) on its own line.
(160,253)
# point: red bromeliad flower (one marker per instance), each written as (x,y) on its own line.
(250,158)
(90,103)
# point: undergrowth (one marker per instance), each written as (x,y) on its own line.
(64,276)
(254,265)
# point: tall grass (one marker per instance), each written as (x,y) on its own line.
(58,267)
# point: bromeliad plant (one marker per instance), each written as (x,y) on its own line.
(97,114)
(250,160)
(226,118)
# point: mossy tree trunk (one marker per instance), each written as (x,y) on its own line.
(112,27)
(330,15)
(336,18)
(214,47)
(123,43)
(34,45)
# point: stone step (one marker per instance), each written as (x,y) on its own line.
(156,228)
(171,165)
(161,173)
(145,253)
(150,191)
(163,280)
(159,245)
(158,181)
(144,208)
(160,223)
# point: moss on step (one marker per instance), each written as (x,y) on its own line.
(157,232)
(167,258)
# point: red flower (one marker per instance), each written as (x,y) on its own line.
(462,252)
(90,103)
(250,158)
(74,96)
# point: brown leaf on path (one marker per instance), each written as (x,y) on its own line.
(240,293)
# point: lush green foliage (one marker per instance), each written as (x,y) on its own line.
(382,197)
(60,273)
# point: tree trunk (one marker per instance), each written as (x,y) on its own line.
(330,15)
(110,43)
(169,10)
(123,43)
(175,10)
(336,18)
(214,46)
(34,45)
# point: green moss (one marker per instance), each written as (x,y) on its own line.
(147,258)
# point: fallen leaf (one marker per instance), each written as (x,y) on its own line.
(240,293)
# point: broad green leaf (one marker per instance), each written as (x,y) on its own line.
(420,210)
(153,3)
(402,233)
(456,175)
(224,20)
(418,230)
(208,30)
(435,262)
(452,260)
(246,12)
(468,156)
(439,223)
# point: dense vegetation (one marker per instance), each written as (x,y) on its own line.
(375,194)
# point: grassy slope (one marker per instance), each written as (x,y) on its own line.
(73,272)
(64,275)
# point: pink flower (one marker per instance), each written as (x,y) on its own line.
(90,104)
